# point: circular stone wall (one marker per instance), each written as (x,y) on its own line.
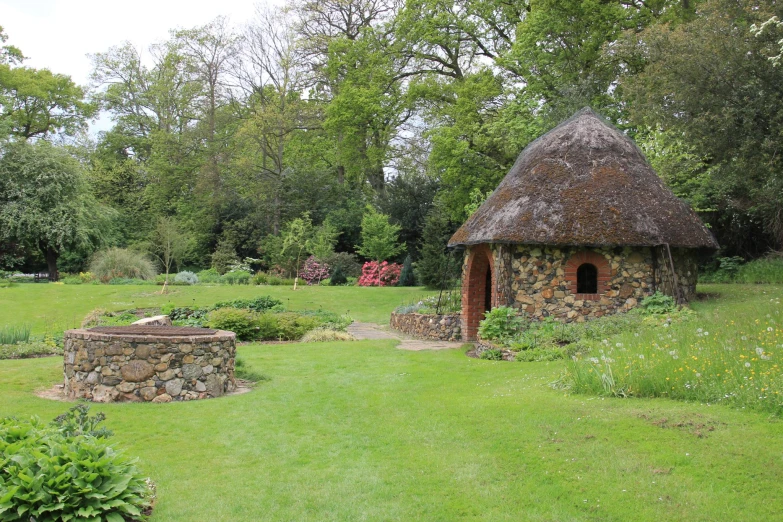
(148,363)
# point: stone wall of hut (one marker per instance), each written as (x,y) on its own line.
(541,280)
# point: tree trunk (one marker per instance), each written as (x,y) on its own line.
(51,262)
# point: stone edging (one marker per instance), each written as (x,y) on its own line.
(445,327)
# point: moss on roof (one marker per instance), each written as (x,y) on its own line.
(584,183)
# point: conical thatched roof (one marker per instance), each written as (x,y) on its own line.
(584,183)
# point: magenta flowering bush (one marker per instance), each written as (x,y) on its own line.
(314,271)
(383,274)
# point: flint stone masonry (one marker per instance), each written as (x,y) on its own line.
(541,280)
(441,327)
(108,367)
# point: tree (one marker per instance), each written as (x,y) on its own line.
(296,238)
(379,238)
(710,87)
(35,103)
(169,245)
(322,242)
(407,199)
(435,265)
(45,202)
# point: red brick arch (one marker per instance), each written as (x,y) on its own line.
(599,262)
(474,289)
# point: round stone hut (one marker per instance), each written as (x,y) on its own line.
(580,227)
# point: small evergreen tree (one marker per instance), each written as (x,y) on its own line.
(430,269)
(407,277)
(338,277)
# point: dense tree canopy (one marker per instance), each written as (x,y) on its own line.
(413,107)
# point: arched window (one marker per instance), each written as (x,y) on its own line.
(587,279)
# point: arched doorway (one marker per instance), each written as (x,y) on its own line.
(478,290)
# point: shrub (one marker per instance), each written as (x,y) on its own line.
(292,326)
(241,322)
(257,304)
(121,263)
(322,335)
(346,262)
(500,324)
(208,276)
(15,334)
(314,271)
(338,277)
(383,274)
(71,280)
(267,325)
(47,473)
(186,278)
(239,277)
(260,278)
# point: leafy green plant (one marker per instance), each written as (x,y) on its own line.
(501,323)
(114,263)
(48,473)
(492,355)
(241,322)
(15,334)
(29,349)
(78,421)
(657,303)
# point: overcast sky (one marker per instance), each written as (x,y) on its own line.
(59,34)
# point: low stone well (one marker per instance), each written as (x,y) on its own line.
(148,363)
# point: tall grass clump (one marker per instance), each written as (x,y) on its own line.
(765,270)
(121,263)
(15,334)
(735,358)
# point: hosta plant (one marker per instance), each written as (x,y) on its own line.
(47,474)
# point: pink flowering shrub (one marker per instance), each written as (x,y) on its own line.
(383,274)
(314,271)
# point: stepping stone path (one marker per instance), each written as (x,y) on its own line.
(363,331)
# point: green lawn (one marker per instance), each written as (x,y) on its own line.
(363,431)
(52,307)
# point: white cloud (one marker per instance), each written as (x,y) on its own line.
(59,34)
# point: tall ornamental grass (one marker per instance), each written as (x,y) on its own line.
(121,263)
(732,357)
(15,334)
